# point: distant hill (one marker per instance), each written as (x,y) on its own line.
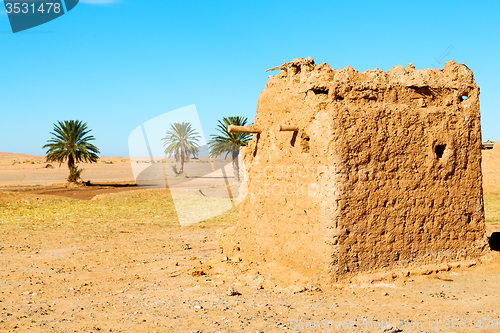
(12,155)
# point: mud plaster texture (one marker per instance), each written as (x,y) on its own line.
(384,171)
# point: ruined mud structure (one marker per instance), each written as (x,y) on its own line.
(354,172)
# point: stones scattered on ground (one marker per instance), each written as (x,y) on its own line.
(393,330)
(198,272)
(304,288)
(147,299)
(232,292)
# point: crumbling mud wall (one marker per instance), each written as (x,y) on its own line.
(383,171)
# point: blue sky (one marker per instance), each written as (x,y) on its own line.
(118,64)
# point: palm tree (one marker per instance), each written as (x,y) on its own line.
(229,143)
(181,141)
(70,142)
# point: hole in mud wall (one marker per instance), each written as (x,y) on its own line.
(463,98)
(339,98)
(440,150)
(423,92)
(304,143)
(320,91)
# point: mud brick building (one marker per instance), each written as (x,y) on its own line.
(351,172)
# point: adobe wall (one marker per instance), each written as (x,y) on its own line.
(385,171)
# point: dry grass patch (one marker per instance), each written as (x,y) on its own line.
(101,216)
(492,206)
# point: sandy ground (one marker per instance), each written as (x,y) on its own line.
(29,171)
(122,263)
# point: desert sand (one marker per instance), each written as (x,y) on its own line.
(112,257)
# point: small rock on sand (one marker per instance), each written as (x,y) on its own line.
(232,292)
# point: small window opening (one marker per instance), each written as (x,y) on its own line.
(339,98)
(463,98)
(296,69)
(440,150)
(320,91)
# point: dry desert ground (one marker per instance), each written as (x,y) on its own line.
(112,257)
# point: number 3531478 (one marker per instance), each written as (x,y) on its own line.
(27,8)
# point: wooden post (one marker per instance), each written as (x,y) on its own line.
(244,129)
(289,128)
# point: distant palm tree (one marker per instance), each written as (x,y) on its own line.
(181,141)
(229,143)
(70,142)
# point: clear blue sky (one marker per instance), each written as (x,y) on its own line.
(117,64)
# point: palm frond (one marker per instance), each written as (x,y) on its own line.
(228,143)
(181,141)
(70,142)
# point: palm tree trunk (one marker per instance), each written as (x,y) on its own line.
(236,166)
(182,162)
(71,162)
